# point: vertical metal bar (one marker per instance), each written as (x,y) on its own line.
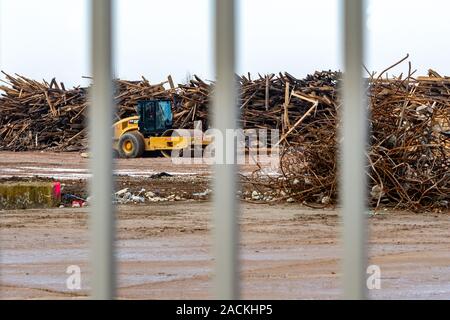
(225,117)
(1,68)
(354,133)
(101,163)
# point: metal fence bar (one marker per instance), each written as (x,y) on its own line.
(224,117)
(101,163)
(354,133)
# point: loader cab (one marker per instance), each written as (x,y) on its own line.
(155,116)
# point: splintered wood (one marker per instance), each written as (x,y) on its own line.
(409,147)
(41,115)
(408,157)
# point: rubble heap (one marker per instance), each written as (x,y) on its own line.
(45,115)
(408,158)
(409,148)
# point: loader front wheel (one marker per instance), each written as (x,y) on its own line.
(131,145)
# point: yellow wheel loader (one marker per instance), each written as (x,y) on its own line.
(151,130)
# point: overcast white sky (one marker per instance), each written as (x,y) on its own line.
(47,38)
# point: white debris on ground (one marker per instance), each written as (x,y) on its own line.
(326,200)
(255,195)
(203,194)
(124,196)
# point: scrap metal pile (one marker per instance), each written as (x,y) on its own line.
(408,156)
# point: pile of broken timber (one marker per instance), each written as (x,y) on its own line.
(40,115)
(269,102)
(408,160)
(47,116)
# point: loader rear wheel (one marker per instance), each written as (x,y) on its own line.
(131,145)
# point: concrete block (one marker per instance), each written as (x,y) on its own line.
(23,195)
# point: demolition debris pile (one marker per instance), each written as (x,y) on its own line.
(271,102)
(408,159)
(37,115)
(41,115)
(47,116)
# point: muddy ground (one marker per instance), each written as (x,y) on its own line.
(156,174)
(287,251)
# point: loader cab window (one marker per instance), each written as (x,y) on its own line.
(154,116)
(151,114)
(164,115)
(146,112)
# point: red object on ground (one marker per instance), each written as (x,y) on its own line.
(77,203)
(57,190)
